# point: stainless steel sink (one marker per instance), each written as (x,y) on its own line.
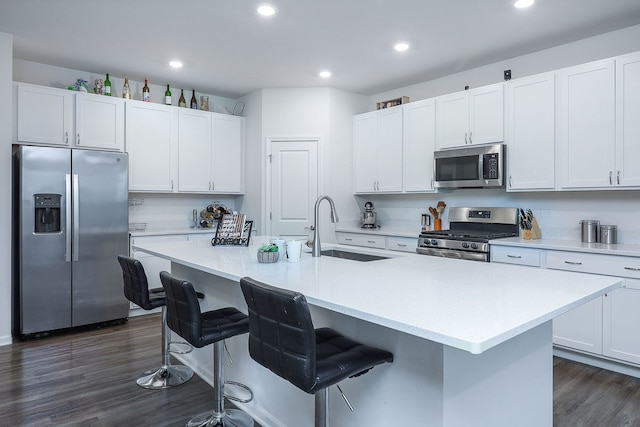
(354,256)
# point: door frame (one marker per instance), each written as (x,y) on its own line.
(266,200)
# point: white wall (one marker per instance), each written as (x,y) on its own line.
(6,55)
(52,76)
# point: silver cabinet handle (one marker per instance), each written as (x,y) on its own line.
(76,217)
(67,239)
(371,241)
(510,181)
(610,177)
(348,239)
(213,185)
(514,256)
(573,263)
(470,137)
(618,177)
(172,184)
(66,137)
(632,268)
(401,245)
(78,139)
(209,185)
(466,141)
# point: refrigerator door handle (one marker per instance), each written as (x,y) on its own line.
(67,228)
(76,218)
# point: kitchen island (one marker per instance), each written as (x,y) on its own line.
(471,340)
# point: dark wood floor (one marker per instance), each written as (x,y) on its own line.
(88,379)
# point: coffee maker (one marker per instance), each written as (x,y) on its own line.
(368,217)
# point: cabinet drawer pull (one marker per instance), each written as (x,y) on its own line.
(573,263)
(348,239)
(514,256)
(632,268)
(401,245)
(371,241)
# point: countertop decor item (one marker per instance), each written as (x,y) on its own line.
(268,253)
(529,226)
(233,230)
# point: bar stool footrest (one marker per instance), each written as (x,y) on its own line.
(229,418)
(237,399)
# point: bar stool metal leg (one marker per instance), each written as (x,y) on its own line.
(167,375)
(220,416)
(322,408)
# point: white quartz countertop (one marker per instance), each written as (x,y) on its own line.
(172,231)
(571,245)
(468,305)
(385,228)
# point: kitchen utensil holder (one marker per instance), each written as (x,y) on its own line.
(437,224)
(533,233)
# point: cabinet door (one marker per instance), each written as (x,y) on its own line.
(151,141)
(452,120)
(586,125)
(365,152)
(418,144)
(45,115)
(390,150)
(531,133)
(99,122)
(621,335)
(628,120)
(194,151)
(227,153)
(581,328)
(486,114)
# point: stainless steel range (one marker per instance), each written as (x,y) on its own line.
(470,230)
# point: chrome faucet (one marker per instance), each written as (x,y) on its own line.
(316,250)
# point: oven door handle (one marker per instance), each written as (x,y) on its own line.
(451,253)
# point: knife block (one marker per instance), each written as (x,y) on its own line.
(532,234)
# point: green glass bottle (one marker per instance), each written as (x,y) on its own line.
(167,96)
(107,86)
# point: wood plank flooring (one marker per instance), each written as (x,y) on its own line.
(88,379)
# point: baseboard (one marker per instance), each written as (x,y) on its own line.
(6,340)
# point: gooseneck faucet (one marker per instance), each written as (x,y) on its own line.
(316,250)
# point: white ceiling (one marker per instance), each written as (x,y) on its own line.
(228,50)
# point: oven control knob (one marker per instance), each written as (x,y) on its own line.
(434,242)
(474,246)
(465,245)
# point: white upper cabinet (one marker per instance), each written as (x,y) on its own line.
(530,113)
(228,152)
(194,153)
(628,121)
(586,125)
(152,144)
(377,143)
(210,152)
(418,144)
(473,116)
(60,117)
(99,122)
(45,115)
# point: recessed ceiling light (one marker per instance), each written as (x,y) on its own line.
(401,47)
(175,64)
(266,10)
(325,74)
(521,4)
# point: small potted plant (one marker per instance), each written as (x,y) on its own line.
(268,253)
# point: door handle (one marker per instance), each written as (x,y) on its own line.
(470,137)
(78,139)
(514,256)
(76,218)
(67,217)
(573,263)
(466,141)
(632,268)
(618,176)
(610,177)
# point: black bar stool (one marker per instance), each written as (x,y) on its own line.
(136,290)
(283,339)
(200,329)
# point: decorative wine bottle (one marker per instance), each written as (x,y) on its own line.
(194,102)
(126,90)
(182,102)
(107,86)
(167,96)
(146,94)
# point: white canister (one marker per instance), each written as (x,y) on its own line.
(280,244)
(294,250)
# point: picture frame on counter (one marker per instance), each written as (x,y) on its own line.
(233,230)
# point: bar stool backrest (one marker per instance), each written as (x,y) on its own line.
(281,333)
(136,287)
(183,309)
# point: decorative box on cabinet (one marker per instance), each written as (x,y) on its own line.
(377,151)
(474,116)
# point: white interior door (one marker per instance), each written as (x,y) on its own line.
(294,187)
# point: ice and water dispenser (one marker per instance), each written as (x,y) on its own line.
(47,212)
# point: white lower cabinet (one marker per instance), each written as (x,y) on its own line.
(392,243)
(605,327)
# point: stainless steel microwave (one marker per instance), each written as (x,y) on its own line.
(470,167)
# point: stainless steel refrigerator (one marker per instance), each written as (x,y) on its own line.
(70,221)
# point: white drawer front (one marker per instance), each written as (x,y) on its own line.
(402,244)
(362,240)
(610,265)
(514,255)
